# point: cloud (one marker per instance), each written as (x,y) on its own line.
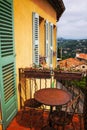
(73,22)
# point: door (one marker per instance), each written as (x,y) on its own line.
(7,64)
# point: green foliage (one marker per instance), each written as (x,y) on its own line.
(58,52)
(81,83)
(70,47)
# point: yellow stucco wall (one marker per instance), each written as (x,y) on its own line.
(23,29)
(23,26)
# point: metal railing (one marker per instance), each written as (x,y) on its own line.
(28,86)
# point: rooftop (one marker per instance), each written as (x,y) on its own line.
(59,7)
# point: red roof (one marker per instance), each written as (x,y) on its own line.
(70,63)
(81,56)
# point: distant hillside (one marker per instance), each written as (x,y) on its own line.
(70,47)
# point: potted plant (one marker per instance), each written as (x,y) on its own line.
(61,74)
(37,72)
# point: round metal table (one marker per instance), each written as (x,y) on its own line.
(52,97)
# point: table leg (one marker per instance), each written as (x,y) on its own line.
(51,109)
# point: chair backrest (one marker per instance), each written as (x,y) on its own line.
(72,106)
(70,109)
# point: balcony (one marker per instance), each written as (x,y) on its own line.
(33,80)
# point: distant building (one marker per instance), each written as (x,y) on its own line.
(73,64)
(81,57)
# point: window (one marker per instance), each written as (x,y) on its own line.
(37,34)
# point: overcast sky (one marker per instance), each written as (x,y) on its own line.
(73,22)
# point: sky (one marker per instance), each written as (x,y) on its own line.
(73,22)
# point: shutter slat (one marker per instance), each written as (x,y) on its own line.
(6,44)
(5,25)
(7,50)
(4,18)
(6,36)
(7,54)
(5,22)
(5,33)
(6,29)
(6,40)
(6,47)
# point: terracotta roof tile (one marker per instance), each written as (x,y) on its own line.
(70,63)
(82,56)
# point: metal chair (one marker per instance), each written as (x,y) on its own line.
(65,117)
(29,104)
(34,109)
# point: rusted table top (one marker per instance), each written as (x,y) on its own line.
(52,96)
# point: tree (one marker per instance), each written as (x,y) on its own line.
(59,52)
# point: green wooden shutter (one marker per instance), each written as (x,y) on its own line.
(35,38)
(47,41)
(51,43)
(7,64)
